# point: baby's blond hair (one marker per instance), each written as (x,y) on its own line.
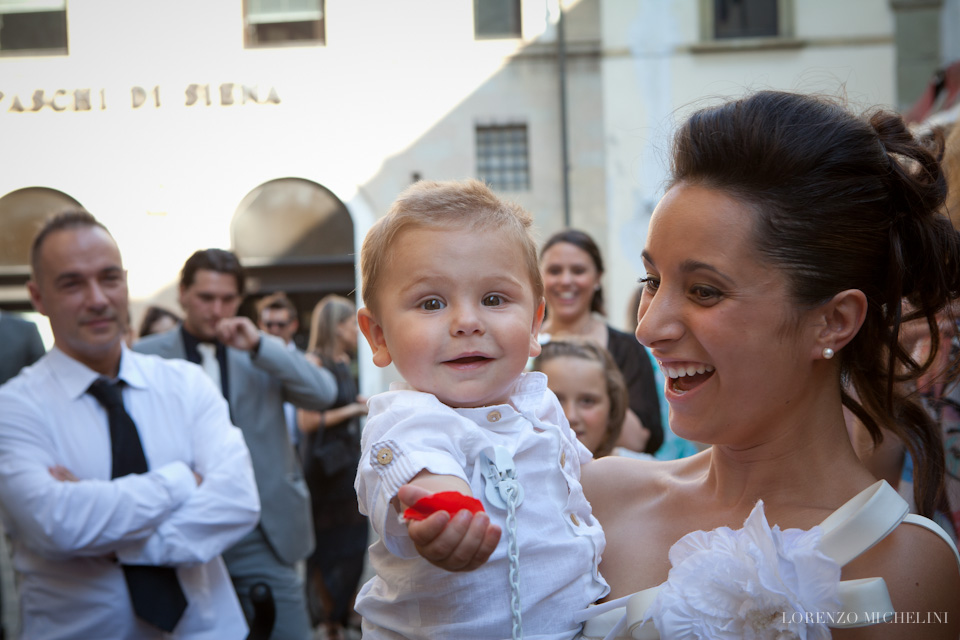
(467,204)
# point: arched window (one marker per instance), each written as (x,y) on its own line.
(295,236)
(22,213)
(291,218)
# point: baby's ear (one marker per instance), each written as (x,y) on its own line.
(373,332)
(535,329)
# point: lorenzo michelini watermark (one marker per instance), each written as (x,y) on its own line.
(857,619)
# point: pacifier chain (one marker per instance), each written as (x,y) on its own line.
(503,490)
(514,554)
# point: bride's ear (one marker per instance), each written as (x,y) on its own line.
(840,319)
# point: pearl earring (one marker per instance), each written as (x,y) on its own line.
(827,353)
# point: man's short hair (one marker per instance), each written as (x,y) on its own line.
(72,219)
(278,300)
(218,260)
(467,204)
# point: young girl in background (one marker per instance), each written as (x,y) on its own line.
(590,388)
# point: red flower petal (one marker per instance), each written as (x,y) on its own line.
(450,501)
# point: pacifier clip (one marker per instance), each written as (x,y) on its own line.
(503,490)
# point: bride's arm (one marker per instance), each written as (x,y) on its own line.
(923,579)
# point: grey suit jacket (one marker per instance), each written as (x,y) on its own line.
(20,345)
(259,386)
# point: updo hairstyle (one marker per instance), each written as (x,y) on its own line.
(842,202)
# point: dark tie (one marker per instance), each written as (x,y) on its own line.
(154,591)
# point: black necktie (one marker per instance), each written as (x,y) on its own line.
(154,591)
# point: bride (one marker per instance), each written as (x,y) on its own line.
(776,266)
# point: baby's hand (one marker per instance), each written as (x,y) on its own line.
(459,543)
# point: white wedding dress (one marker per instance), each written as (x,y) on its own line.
(763,583)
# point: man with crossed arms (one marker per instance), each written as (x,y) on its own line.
(121,475)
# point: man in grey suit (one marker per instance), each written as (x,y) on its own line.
(277,316)
(20,345)
(257,374)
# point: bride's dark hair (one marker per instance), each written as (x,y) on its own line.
(843,202)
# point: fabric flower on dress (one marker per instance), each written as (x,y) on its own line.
(756,583)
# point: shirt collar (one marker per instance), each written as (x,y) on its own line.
(77,377)
(528,393)
(190,343)
(131,370)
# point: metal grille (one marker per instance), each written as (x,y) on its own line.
(496,19)
(502,157)
(745,18)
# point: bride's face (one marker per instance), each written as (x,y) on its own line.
(719,321)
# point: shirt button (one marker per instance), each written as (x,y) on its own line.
(573,519)
(493,416)
(563,458)
(385,456)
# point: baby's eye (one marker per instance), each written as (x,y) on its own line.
(588,401)
(433,304)
(493,300)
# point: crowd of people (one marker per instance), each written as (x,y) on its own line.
(207,478)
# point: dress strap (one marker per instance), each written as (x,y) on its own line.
(620,618)
(867,601)
(862,522)
(930,525)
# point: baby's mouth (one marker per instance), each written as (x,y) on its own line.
(468,360)
(684,377)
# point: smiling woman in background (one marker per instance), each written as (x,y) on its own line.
(572,267)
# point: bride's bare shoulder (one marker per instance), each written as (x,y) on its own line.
(619,478)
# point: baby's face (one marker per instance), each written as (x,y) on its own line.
(456,314)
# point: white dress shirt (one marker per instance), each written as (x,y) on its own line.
(559,540)
(69,537)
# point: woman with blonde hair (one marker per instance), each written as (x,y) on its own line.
(331,455)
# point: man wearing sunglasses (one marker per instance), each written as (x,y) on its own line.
(277,316)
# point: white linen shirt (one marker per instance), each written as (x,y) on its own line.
(559,540)
(69,536)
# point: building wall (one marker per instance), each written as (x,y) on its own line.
(395,93)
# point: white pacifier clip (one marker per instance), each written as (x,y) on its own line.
(504,491)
